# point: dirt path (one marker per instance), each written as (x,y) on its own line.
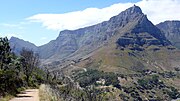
(27,95)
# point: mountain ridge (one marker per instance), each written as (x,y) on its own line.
(97,33)
(130,32)
(17,44)
(172,31)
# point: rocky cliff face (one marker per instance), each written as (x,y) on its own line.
(172,31)
(143,34)
(136,44)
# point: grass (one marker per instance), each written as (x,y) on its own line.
(127,61)
(6,98)
(46,94)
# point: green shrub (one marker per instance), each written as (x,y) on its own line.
(91,76)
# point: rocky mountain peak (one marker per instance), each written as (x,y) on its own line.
(134,9)
(144,33)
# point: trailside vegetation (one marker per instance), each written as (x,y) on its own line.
(17,72)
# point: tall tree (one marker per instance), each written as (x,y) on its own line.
(30,62)
(5,52)
(9,79)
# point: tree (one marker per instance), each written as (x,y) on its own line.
(9,69)
(5,52)
(18,71)
(30,62)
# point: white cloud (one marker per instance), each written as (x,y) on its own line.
(78,19)
(161,10)
(156,10)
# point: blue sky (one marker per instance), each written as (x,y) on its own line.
(40,21)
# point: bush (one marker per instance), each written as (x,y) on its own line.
(91,76)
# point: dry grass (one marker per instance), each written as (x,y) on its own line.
(6,98)
(46,94)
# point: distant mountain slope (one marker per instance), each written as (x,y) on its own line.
(172,31)
(17,45)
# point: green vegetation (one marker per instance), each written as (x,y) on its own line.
(149,83)
(94,85)
(18,72)
(92,76)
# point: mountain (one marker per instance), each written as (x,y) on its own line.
(124,59)
(127,42)
(135,45)
(86,40)
(17,45)
(172,31)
